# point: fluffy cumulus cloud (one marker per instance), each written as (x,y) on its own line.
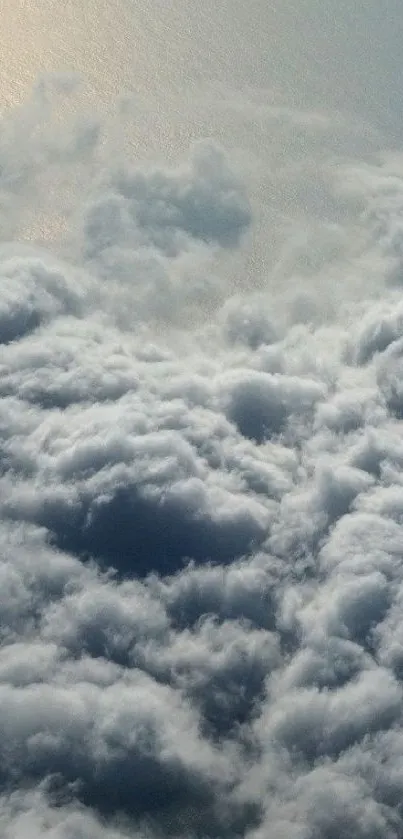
(201,500)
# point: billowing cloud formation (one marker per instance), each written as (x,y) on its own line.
(201,506)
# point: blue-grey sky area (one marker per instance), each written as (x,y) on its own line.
(201,455)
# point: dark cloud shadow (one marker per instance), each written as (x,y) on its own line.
(138,536)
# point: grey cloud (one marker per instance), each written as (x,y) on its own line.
(260,404)
(93,733)
(246,322)
(34,291)
(31,813)
(203,201)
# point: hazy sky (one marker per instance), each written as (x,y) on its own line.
(284,86)
(201,403)
(311,53)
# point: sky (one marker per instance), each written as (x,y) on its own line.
(201,451)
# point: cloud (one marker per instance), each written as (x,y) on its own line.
(201,517)
(34,291)
(203,201)
(260,403)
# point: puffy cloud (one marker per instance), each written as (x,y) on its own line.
(34,291)
(201,520)
(203,201)
(261,403)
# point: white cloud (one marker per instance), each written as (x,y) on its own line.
(201,516)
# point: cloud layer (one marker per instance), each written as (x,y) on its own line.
(201,506)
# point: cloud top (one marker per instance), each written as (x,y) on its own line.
(201,519)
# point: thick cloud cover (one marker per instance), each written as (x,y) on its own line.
(201,496)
